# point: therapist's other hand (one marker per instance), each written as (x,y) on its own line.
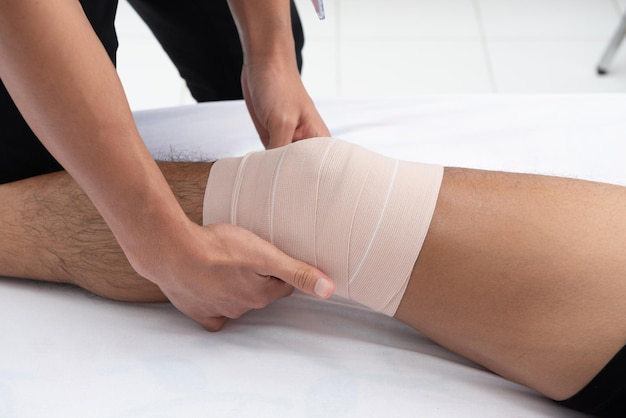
(279,105)
(222,271)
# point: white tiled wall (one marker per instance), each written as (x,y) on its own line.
(411,47)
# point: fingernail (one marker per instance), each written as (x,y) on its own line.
(322,288)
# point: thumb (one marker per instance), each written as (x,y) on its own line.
(268,260)
(310,280)
(302,276)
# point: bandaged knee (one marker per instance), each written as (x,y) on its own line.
(358,216)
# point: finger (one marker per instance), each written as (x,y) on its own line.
(264,295)
(268,260)
(300,275)
(315,129)
(281,133)
(309,280)
(213,324)
(278,289)
(323,130)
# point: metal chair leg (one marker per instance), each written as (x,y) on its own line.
(612,48)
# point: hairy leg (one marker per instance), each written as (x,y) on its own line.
(525,275)
(522,274)
(50,231)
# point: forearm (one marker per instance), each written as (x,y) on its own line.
(264,29)
(68,91)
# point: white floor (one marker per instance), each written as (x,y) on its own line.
(412,47)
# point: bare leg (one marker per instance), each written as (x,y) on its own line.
(525,275)
(522,274)
(50,231)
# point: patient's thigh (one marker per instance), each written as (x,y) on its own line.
(525,275)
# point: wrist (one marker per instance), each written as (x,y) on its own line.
(274,49)
(149,227)
(265,29)
(153,253)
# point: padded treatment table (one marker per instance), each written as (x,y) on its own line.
(67,353)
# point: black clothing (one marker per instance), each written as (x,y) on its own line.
(199,36)
(605,395)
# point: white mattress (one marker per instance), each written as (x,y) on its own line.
(67,353)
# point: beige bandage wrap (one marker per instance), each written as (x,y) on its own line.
(358,216)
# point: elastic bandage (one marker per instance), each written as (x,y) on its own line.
(356,215)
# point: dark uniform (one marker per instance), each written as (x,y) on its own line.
(199,36)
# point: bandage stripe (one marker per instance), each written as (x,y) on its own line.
(323,163)
(234,200)
(273,195)
(377,228)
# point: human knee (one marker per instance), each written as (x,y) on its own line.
(358,216)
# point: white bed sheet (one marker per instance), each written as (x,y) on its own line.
(67,353)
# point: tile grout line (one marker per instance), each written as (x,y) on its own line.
(485,47)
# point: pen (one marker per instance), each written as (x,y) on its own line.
(319,8)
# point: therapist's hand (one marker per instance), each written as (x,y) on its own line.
(223,271)
(279,105)
(66,88)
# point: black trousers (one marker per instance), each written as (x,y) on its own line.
(201,39)
(199,36)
